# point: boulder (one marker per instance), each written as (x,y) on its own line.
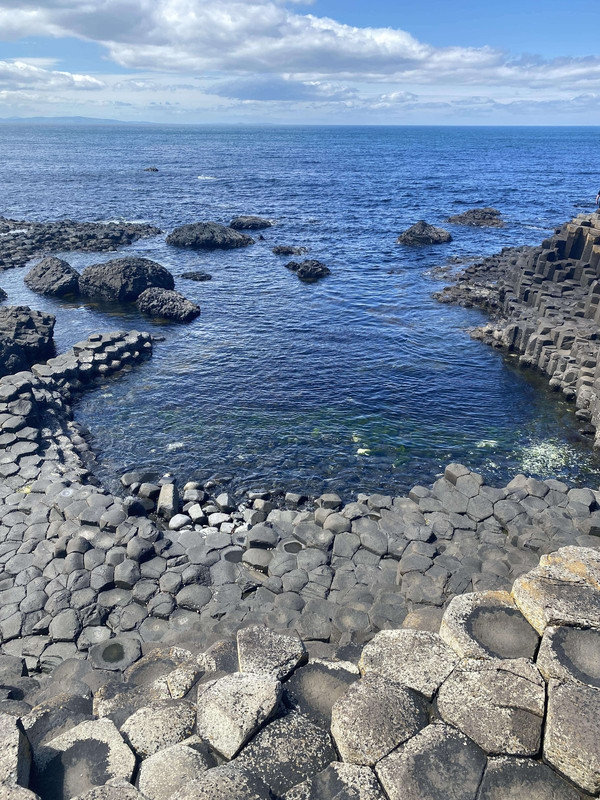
(439,763)
(122,280)
(12,357)
(168,304)
(478,218)
(571,734)
(498,704)
(208,236)
(309,271)
(233,708)
(249,223)
(314,688)
(374,717)
(32,331)
(53,276)
(15,755)
(423,233)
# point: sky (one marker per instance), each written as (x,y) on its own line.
(384,62)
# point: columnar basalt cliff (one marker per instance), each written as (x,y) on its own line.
(545,305)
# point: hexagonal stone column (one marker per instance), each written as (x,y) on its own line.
(498,704)
(506,777)
(439,763)
(375,716)
(563,590)
(571,737)
(417,659)
(570,654)
(488,625)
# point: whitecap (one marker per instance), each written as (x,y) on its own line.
(176,446)
(206,178)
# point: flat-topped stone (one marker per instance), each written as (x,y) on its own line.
(265,651)
(488,625)
(570,654)
(338,781)
(508,777)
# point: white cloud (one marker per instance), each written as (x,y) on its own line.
(23,75)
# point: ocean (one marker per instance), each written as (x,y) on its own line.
(361,382)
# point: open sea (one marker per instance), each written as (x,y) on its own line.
(361,382)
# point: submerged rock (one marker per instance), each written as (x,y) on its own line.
(309,271)
(478,218)
(208,236)
(423,233)
(288,250)
(123,279)
(167,303)
(151,169)
(196,276)
(250,223)
(53,276)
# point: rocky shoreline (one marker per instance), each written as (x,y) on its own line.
(196,645)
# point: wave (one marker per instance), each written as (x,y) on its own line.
(207,178)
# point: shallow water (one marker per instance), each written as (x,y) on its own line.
(359,382)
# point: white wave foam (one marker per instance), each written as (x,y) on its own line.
(206,178)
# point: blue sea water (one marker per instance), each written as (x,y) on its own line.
(361,382)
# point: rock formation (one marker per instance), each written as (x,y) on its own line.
(168,304)
(208,236)
(54,277)
(123,279)
(478,218)
(423,233)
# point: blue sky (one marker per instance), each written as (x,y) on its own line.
(289,61)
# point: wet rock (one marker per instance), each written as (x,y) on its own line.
(488,625)
(85,757)
(498,704)
(478,218)
(571,734)
(123,280)
(374,717)
(196,276)
(287,751)
(338,782)
(116,654)
(160,725)
(168,304)
(309,271)
(208,236)
(570,654)
(439,763)
(54,277)
(521,777)
(419,660)
(423,233)
(150,169)
(169,771)
(262,650)
(233,708)
(249,223)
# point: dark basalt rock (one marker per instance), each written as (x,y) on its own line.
(288,250)
(124,279)
(54,277)
(3,295)
(12,357)
(32,331)
(151,169)
(423,233)
(250,223)
(196,276)
(309,271)
(478,218)
(168,304)
(208,236)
